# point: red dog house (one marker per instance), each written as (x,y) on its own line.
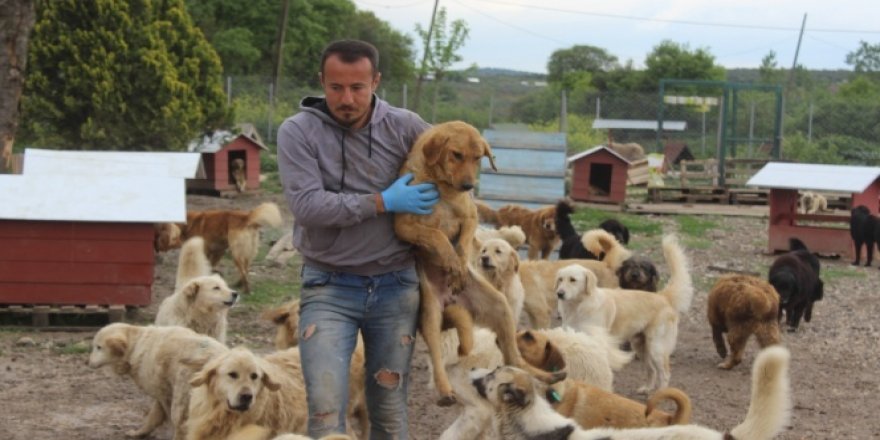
(218,154)
(598,175)
(80,239)
(822,233)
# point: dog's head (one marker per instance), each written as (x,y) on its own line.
(547,220)
(166,236)
(452,154)
(638,273)
(286,318)
(617,229)
(499,257)
(786,284)
(575,281)
(110,345)
(537,350)
(505,387)
(209,294)
(236,377)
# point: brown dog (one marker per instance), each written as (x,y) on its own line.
(539,226)
(238,231)
(449,155)
(742,305)
(237,171)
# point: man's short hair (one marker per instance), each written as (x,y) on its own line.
(350,51)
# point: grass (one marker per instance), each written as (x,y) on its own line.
(695,227)
(269,292)
(589,218)
(829,274)
(73,349)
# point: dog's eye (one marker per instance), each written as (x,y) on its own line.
(233,375)
(571,280)
(254,376)
(498,251)
(457,156)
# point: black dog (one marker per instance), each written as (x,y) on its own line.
(638,273)
(862,229)
(571,246)
(617,229)
(795,276)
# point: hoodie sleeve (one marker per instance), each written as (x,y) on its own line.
(301,180)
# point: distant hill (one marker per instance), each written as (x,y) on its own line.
(742,75)
(484,72)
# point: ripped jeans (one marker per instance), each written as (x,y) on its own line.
(333,307)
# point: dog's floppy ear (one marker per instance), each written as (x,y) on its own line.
(191,290)
(207,373)
(116,344)
(553,360)
(514,395)
(270,383)
(514,260)
(487,152)
(434,149)
(277,315)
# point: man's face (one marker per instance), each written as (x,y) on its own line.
(349,89)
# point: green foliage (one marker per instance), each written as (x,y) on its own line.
(114,74)
(769,70)
(269,292)
(573,68)
(677,61)
(236,48)
(831,273)
(796,147)
(866,58)
(580,136)
(695,226)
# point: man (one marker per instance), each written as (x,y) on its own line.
(339,159)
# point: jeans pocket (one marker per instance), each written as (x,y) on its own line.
(312,277)
(407,277)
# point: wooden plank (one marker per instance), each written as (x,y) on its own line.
(116,313)
(82,250)
(77,230)
(75,294)
(40,316)
(75,272)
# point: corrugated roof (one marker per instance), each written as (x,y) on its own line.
(214,142)
(595,149)
(92,198)
(846,178)
(636,124)
(111,163)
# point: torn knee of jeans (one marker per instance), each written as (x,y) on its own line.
(388,379)
(309,331)
(324,420)
(407,340)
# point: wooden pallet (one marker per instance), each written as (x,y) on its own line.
(748,196)
(62,318)
(696,194)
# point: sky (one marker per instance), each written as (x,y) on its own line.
(522,34)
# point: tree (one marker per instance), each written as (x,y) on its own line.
(865,59)
(445,43)
(677,61)
(121,74)
(395,48)
(769,71)
(568,67)
(16,21)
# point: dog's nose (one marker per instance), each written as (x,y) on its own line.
(245,399)
(485,260)
(467,186)
(560,294)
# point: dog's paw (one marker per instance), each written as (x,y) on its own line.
(136,434)
(645,390)
(726,365)
(447,400)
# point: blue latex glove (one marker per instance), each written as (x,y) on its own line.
(412,199)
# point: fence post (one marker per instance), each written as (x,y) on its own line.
(810,125)
(563,114)
(228,91)
(751,126)
(598,107)
(269,119)
(491,106)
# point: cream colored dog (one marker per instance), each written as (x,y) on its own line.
(200,300)
(539,282)
(599,241)
(499,263)
(513,235)
(160,361)
(522,413)
(648,320)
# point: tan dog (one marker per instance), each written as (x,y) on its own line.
(255,432)
(648,320)
(539,281)
(811,202)
(486,214)
(200,301)
(160,361)
(742,305)
(449,155)
(286,318)
(238,173)
(513,235)
(522,413)
(539,226)
(238,231)
(499,263)
(599,241)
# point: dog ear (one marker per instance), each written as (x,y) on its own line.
(487,152)
(278,315)
(527,336)
(553,360)
(207,373)
(514,261)
(269,383)
(191,290)
(514,395)
(434,148)
(117,345)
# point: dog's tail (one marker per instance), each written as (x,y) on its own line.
(679,290)
(795,244)
(563,220)
(267,214)
(617,358)
(599,241)
(770,407)
(683,408)
(193,262)
(513,235)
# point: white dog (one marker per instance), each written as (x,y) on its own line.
(648,320)
(499,263)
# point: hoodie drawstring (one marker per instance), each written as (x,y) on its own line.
(342,145)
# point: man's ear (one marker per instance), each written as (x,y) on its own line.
(377,78)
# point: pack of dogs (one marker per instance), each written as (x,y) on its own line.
(519,348)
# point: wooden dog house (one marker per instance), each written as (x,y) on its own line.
(218,152)
(598,175)
(822,233)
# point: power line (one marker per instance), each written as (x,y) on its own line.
(685,22)
(528,31)
(387,6)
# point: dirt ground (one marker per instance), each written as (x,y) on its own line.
(48,391)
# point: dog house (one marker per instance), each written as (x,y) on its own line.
(674,153)
(82,239)
(598,175)
(223,155)
(822,233)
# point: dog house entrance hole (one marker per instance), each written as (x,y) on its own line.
(600,179)
(233,156)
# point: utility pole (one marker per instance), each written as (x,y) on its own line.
(279,45)
(790,84)
(418,93)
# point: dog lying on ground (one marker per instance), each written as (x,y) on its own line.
(742,305)
(238,231)
(522,413)
(539,226)
(571,246)
(649,321)
(160,361)
(795,276)
(201,300)
(862,229)
(810,203)
(449,156)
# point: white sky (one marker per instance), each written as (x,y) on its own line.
(521,34)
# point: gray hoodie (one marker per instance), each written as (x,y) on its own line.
(330,176)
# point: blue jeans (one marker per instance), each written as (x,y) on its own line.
(333,307)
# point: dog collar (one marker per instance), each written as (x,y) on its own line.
(553,396)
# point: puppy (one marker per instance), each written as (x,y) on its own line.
(238,231)
(539,226)
(810,203)
(638,273)
(617,229)
(201,301)
(160,361)
(742,305)
(571,246)
(522,413)
(499,263)
(862,227)
(449,155)
(238,173)
(600,241)
(795,276)
(539,278)
(648,321)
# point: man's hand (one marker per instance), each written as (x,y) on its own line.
(412,199)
